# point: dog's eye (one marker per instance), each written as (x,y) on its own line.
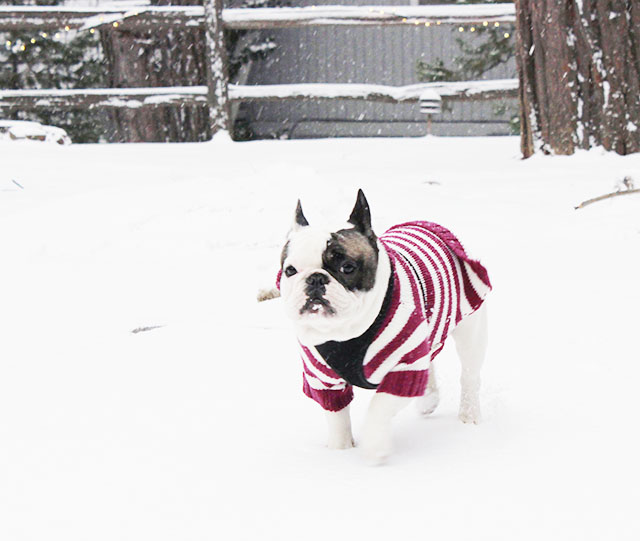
(290,271)
(336,257)
(347,268)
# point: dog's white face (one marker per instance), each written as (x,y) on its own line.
(333,282)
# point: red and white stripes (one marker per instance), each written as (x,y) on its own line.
(435,285)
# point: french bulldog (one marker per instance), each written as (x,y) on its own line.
(374,312)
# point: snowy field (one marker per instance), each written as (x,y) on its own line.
(198,429)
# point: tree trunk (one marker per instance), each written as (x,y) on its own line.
(163,57)
(579,70)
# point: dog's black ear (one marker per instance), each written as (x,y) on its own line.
(361,215)
(300,220)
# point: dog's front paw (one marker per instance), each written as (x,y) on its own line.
(340,442)
(469,412)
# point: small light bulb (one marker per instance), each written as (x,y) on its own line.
(472,29)
(115,25)
(33,40)
(507,35)
(461,29)
(66,28)
(485,23)
(44,35)
(22,48)
(92,31)
(427,24)
(496,24)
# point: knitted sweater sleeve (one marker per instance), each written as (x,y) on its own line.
(329,399)
(322,384)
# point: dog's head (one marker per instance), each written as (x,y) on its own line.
(329,278)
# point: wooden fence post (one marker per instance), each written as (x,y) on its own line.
(217,67)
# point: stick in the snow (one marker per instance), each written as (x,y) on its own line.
(145,329)
(606,196)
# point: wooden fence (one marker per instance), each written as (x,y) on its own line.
(218,93)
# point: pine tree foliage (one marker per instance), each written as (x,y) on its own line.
(40,60)
(489,47)
(248,45)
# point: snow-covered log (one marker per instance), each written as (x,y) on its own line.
(41,17)
(20,130)
(198,95)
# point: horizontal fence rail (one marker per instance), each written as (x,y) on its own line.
(61,17)
(110,98)
(367,15)
(24,18)
(135,98)
(449,91)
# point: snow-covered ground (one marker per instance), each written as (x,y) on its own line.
(198,429)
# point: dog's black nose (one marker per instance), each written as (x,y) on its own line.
(317,279)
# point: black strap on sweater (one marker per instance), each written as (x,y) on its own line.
(347,358)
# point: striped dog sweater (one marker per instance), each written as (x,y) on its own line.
(433,285)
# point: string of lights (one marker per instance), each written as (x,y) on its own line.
(472,27)
(64,35)
(19,46)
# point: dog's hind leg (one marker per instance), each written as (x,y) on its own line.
(471,343)
(428,402)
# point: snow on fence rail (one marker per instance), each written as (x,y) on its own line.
(135,98)
(218,92)
(367,15)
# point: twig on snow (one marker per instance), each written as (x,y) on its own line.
(627,182)
(145,329)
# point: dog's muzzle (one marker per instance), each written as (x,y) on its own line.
(315,291)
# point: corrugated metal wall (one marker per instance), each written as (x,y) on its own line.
(363,55)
